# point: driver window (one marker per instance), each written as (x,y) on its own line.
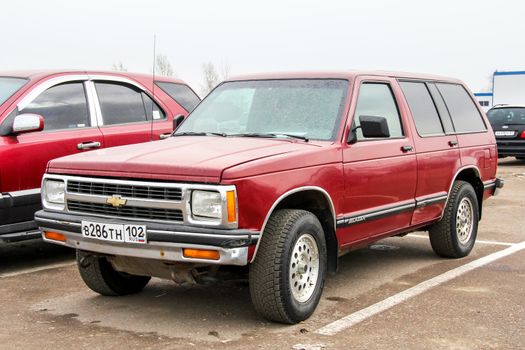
(376,99)
(63,106)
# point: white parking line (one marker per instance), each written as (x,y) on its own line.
(361,315)
(37,269)
(507,244)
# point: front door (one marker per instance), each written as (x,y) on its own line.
(380,174)
(67,130)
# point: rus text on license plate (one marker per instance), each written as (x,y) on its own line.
(114,232)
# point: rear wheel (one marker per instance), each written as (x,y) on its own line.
(287,276)
(101,277)
(455,234)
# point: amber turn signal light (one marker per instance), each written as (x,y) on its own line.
(201,254)
(55,236)
(232,209)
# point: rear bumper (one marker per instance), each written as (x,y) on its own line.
(494,186)
(165,241)
(511,148)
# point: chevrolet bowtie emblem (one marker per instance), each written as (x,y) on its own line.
(116,201)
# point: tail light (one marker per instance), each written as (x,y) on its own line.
(522,135)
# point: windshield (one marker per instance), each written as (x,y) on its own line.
(506,116)
(8,86)
(310,109)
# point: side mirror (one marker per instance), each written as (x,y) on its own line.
(374,127)
(28,122)
(177,120)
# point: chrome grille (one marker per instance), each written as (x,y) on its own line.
(125,212)
(124,190)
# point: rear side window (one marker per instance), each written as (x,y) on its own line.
(120,103)
(463,110)
(62,106)
(422,108)
(182,94)
(441,107)
(377,100)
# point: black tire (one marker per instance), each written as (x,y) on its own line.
(270,274)
(445,239)
(101,277)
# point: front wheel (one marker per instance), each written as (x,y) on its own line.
(100,276)
(455,234)
(287,276)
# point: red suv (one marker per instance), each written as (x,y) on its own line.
(45,115)
(283,173)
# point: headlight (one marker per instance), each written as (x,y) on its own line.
(206,204)
(53,194)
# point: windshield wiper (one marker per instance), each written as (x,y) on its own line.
(270,135)
(194,133)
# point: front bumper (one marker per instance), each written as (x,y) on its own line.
(165,241)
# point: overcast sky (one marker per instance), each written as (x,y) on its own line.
(463,39)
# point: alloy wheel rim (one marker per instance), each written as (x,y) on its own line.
(464,220)
(304,268)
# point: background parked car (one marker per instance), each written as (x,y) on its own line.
(45,115)
(508,123)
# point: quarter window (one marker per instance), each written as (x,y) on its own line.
(63,106)
(422,108)
(153,111)
(120,103)
(376,99)
(463,110)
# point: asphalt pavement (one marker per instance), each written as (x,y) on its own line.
(395,294)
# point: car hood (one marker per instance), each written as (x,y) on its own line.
(186,158)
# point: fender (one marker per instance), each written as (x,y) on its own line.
(284,196)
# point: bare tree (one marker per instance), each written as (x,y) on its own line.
(213,76)
(119,67)
(163,66)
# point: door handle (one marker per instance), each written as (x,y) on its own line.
(452,143)
(165,136)
(88,145)
(407,148)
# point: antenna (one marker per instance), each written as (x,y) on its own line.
(153,85)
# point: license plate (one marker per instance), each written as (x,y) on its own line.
(114,232)
(504,133)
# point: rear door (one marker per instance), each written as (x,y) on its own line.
(127,114)
(380,174)
(437,148)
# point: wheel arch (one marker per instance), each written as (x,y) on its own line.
(316,200)
(472,175)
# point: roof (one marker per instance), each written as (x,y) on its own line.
(507,106)
(38,74)
(349,75)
